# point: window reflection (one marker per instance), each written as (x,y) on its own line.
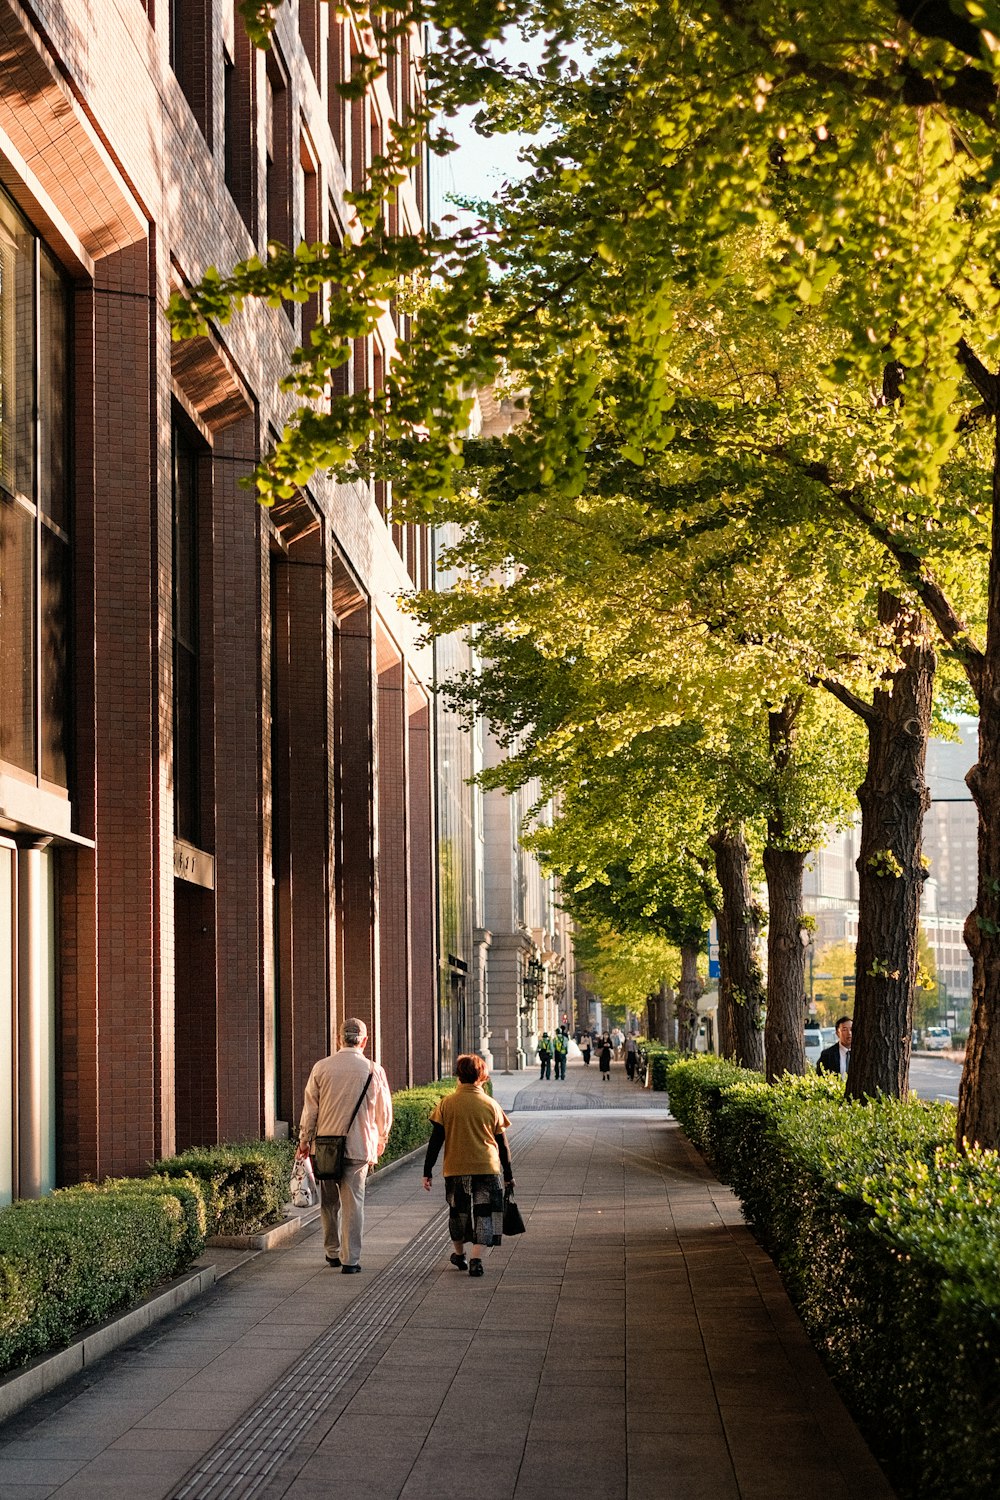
(186,645)
(17,641)
(34,506)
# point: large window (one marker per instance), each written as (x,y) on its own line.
(191,56)
(34,506)
(187,740)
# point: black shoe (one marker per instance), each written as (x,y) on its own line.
(460,1263)
(349,1270)
(333,1260)
(475,1268)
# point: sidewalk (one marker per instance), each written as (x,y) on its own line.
(635,1344)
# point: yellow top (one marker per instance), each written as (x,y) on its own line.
(470,1119)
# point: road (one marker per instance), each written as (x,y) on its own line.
(935,1078)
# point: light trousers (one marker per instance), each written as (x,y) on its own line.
(342,1211)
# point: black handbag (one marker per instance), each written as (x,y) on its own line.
(512,1221)
(328,1150)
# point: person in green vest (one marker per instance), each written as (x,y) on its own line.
(560,1048)
(544,1056)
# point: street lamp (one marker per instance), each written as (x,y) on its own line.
(532,981)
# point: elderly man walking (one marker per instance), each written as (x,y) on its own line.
(340,1086)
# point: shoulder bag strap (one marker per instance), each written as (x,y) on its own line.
(360,1098)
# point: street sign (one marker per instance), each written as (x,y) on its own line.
(712,940)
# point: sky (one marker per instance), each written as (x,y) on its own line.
(479,167)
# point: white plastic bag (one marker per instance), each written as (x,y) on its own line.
(303,1190)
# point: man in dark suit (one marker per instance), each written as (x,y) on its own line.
(837,1058)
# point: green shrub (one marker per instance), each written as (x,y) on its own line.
(658,1059)
(77,1257)
(244,1185)
(888,1242)
(190,1237)
(695,1087)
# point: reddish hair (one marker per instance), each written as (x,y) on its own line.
(470,1069)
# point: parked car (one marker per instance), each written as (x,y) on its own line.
(937,1038)
(814,1044)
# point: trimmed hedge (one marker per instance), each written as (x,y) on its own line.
(658,1059)
(244,1185)
(80,1255)
(695,1087)
(888,1241)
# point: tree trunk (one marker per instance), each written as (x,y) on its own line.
(659,1015)
(690,989)
(741,987)
(784,1034)
(893,801)
(979,1091)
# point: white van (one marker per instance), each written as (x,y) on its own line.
(937,1038)
(814,1044)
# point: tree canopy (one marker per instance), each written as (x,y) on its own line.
(748,290)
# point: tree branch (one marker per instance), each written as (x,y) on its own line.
(935,18)
(986,384)
(953,628)
(850,700)
(970,88)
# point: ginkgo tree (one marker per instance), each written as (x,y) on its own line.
(624,676)
(861,138)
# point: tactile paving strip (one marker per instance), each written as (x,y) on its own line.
(242,1463)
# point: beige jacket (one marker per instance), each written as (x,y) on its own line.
(331,1094)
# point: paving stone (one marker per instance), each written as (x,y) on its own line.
(37,1470)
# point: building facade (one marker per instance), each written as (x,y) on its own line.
(529,969)
(216,740)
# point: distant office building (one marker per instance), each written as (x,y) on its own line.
(951,824)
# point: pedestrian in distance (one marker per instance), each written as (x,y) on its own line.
(477,1171)
(544,1056)
(837,1057)
(339,1084)
(585,1048)
(605,1060)
(631,1057)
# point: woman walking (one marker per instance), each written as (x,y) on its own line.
(605,1059)
(470,1125)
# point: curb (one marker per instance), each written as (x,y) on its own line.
(268,1239)
(47,1371)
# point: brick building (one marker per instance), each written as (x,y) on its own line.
(216,821)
